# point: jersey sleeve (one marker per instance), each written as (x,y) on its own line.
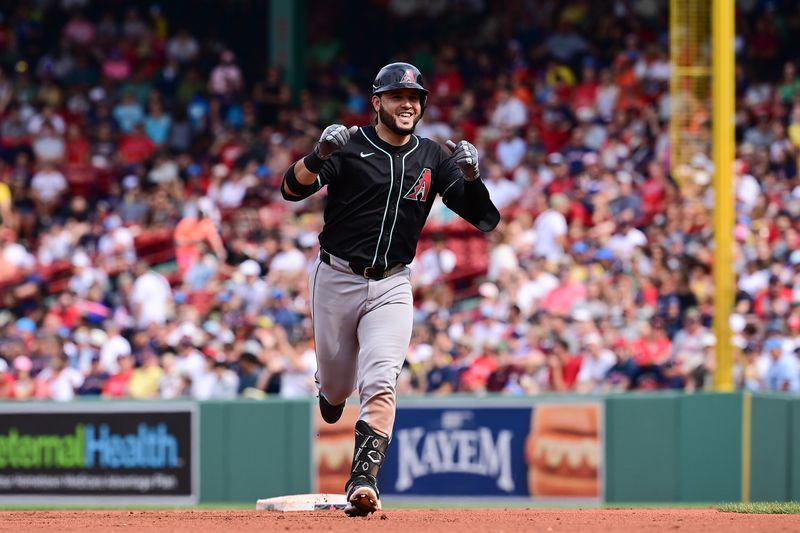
(468,199)
(329,170)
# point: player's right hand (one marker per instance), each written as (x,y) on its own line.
(465,156)
(333,139)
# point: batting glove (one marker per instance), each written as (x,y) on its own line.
(465,156)
(333,139)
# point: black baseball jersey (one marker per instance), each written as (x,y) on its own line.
(379,197)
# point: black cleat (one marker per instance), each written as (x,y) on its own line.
(363,498)
(330,413)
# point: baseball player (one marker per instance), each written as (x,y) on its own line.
(382,180)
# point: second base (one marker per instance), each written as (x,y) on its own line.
(303,502)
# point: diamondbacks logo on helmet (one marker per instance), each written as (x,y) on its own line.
(419,191)
(408,77)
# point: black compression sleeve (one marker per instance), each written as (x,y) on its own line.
(294,186)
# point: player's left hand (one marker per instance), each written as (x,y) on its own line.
(465,156)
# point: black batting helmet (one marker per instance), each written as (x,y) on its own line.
(400,76)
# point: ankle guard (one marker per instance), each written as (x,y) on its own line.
(369,453)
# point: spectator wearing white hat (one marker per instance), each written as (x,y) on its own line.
(189,362)
(133,208)
(116,248)
(251,287)
(85,276)
(113,346)
(782,374)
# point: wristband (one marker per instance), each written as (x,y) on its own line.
(314,162)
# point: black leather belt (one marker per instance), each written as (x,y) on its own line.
(366,271)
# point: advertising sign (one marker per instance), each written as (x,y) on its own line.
(122,452)
(542,450)
(333,450)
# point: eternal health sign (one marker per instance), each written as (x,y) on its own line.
(108,450)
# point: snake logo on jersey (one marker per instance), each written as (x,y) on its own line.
(419,191)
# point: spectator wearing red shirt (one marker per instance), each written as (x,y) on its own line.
(564,367)
(654,192)
(775,299)
(117,385)
(136,147)
(79,150)
(476,376)
(65,311)
(652,347)
(6,380)
(447,84)
(562,182)
(584,96)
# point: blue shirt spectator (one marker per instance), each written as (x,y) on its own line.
(128,113)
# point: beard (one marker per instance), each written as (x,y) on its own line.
(390,121)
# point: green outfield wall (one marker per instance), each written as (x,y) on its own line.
(655,447)
(255,449)
(702,448)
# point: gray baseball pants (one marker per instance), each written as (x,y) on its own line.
(362,329)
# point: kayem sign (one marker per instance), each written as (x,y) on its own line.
(539,450)
(465,450)
(109,450)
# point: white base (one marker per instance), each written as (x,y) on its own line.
(303,502)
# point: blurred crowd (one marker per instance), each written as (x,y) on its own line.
(145,250)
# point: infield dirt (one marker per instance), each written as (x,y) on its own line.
(402,521)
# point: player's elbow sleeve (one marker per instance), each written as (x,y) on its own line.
(290,188)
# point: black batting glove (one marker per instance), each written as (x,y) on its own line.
(465,155)
(333,139)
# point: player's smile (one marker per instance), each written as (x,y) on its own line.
(400,110)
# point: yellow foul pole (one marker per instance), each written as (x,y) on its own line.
(723,151)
